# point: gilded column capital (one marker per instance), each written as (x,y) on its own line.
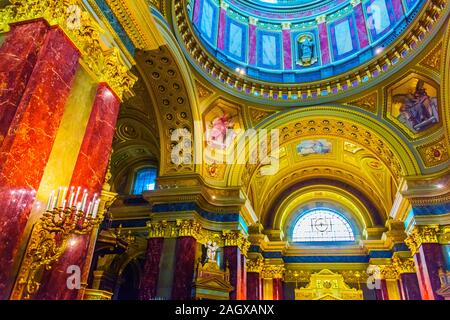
(236,239)
(188,228)
(420,235)
(389,272)
(404,265)
(84,32)
(159,229)
(272,271)
(255,265)
(444,237)
(174,229)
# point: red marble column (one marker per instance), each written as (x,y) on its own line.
(252,43)
(232,256)
(253,286)
(382,293)
(149,283)
(27,145)
(184,268)
(18,56)
(277,289)
(243,291)
(409,287)
(89,173)
(429,259)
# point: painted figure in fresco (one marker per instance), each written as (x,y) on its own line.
(417,109)
(211,251)
(220,131)
(308,147)
(306,55)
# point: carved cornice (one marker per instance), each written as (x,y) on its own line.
(134,17)
(77,23)
(297,275)
(273,271)
(420,235)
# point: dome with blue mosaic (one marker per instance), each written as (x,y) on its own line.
(298,41)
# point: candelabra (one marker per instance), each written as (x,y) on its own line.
(64,217)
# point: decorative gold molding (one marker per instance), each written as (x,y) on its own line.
(174,229)
(77,23)
(389,272)
(435,152)
(420,235)
(273,271)
(255,265)
(236,239)
(404,265)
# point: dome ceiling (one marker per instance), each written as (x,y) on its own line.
(300,42)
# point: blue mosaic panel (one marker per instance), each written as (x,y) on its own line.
(343,38)
(269,50)
(208,22)
(236,40)
(380,17)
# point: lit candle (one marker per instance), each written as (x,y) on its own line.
(50,200)
(88,211)
(84,200)
(64,197)
(76,196)
(78,206)
(55,200)
(95,211)
(71,196)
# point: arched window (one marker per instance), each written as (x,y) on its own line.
(144,180)
(320,225)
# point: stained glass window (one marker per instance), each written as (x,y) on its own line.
(322,225)
(144,180)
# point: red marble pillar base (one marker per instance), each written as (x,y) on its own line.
(253,286)
(149,283)
(184,268)
(233,256)
(27,145)
(428,261)
(409,287)
(278,289)
(89,173)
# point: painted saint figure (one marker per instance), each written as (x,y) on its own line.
(417,109)
(220,131)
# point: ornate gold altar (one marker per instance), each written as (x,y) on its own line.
(326,285)
(211,282)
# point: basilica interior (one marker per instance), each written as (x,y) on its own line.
(224,150)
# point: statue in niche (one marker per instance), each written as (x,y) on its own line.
(306,50)
(417,109)
(211,251)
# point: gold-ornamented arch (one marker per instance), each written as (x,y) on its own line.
(267,197)
(167,76)
(340,122)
